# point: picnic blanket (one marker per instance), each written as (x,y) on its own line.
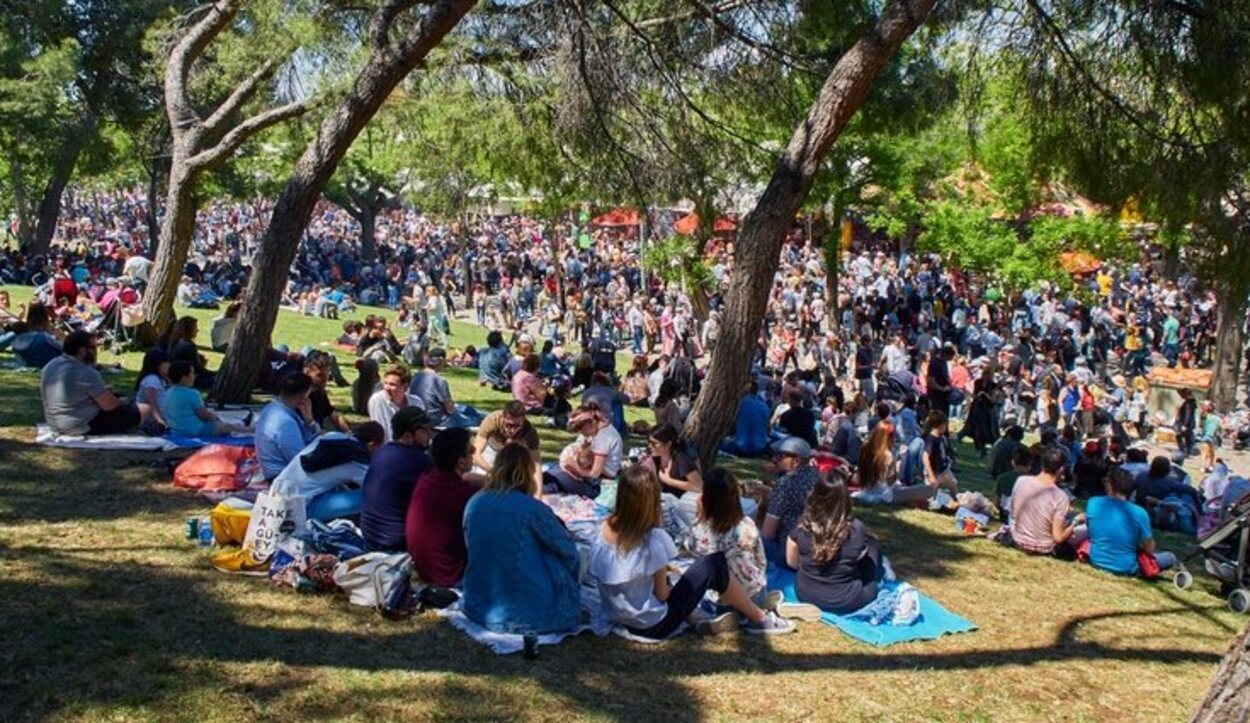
(934,621)
(134,442)
(143,443)
(508,643)
(230,440)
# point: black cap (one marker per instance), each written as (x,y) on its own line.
(409,419)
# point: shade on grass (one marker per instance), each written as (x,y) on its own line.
(107,612)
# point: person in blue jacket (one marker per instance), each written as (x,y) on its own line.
(523,567)
(751,435)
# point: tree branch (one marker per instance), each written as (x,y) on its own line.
(240,95)
(186,51)
(380,26)
(239,134)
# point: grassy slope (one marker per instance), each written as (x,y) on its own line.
(105,611)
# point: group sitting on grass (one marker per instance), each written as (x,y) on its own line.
(467,497)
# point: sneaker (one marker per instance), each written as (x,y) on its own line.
(770,625)
(773,600)
(723,623)
(799,611)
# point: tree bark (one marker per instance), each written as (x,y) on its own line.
(50,203)
(368,220)
(763,231)
(177,230)
(20,200)
(1229,346)
(388,64)
(1228,698)
(198,145)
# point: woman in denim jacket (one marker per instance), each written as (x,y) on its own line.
(522,574)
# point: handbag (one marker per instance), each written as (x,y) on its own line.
(274,518)
(378,580)
(1148,564)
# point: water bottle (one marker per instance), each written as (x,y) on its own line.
(206,537)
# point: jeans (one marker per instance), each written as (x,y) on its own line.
(557,480)
(6,339)
(707,573)
(464,417)
(638,339)
(1171,352)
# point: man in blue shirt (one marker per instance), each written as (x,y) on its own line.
(393,474)
(750,438)
(285,426)
(1119,530)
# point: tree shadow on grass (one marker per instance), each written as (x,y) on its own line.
(45,484)
(66,631)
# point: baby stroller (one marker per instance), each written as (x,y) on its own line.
(1224,556)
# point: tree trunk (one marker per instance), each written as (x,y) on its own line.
(1229,346)
(368,219)
(156,172)
(20,200)
(177,230)
(763,230)
(387,66)
(1228,698)
(50,203)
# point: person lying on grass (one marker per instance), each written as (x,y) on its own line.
(630,560)
(182,407)
(839,563)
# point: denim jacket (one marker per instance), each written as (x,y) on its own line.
(522,574)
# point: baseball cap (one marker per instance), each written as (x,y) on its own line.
(793,446)
(409,419)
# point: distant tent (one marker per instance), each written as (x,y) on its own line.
(688,224)
(617,218)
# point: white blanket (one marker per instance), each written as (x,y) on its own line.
(506,644)
(135,442)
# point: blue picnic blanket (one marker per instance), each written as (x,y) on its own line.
(230,440)
(934,621)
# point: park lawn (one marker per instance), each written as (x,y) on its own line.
(106,612)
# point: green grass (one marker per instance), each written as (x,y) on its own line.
(106,612)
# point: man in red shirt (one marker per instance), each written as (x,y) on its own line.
(434,527)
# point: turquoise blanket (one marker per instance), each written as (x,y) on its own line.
(934,621)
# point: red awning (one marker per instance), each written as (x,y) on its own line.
(617,217)
(689,223)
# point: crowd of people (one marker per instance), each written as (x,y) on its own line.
(853,391)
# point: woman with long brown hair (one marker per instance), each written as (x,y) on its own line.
(837,560)
(879,471)
(631,559)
